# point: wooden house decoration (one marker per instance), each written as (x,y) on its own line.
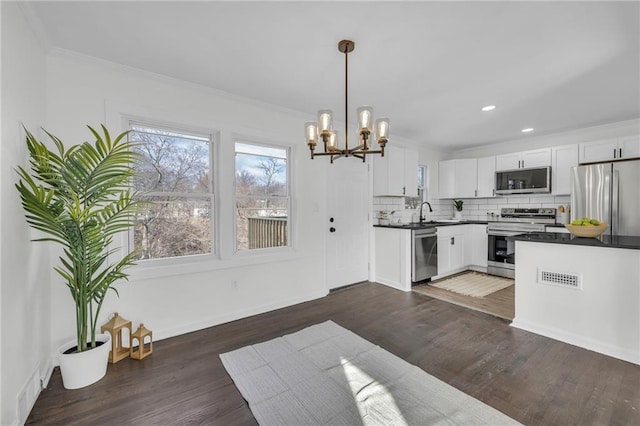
(115,327)
(144,348)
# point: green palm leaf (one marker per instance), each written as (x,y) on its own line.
(80,198)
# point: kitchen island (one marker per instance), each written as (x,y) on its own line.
(582,291)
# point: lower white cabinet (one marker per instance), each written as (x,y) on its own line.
(461,247)
(451,249)
(479,246)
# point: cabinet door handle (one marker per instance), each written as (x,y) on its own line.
(614,153)
(476,193)
(453,240)
(523,164)
(620,153)
(403,190)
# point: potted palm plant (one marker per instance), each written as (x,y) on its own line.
(80,199)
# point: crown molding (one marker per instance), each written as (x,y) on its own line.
(32,18)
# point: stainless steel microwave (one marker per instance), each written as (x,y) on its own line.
(535,180)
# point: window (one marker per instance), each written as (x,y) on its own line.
(261,196)
(174,171)
(414,202)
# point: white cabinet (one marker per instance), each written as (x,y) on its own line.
(466,178)
(564,158)
(410,173)
(619,148)
(396,173)
(486,177)
(629,146)
(478,246)
(524,159)
(457,178)
(451,249)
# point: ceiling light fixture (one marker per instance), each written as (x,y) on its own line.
(527,130)
(323,128)
(488,108)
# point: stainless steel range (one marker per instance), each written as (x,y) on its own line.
(512,222)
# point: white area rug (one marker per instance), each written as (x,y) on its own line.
(325,374)
(474,284)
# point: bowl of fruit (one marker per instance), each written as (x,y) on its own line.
(585,227)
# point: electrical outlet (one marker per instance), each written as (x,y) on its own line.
(235,284)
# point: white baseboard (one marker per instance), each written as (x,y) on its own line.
(578,340)
(391,284)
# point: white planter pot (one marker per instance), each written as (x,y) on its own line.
(457,214)
(383,221)
(84,368)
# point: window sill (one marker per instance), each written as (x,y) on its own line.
(151,269)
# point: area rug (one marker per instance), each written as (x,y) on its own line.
(474,284)
(326,374)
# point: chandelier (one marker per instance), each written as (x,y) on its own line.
(323,128)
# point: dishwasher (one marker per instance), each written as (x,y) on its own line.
(424,254)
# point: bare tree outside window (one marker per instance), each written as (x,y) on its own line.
(262,196)
(174,172)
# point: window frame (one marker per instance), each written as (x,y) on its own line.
(289,150)
(424,187)
(213,137)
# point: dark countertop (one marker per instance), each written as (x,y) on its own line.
(431,224)
(623,241)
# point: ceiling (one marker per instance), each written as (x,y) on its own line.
(428,66)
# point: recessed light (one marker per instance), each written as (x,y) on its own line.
(488,108)
(527,130)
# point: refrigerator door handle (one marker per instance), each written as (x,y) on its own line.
(607,199)
(615,204)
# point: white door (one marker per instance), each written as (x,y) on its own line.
(347,223)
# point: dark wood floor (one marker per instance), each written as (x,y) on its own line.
(535,380)
(501,303)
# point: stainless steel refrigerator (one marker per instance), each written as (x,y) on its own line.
(609,192)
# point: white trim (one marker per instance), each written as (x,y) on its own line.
(577,340)
(156,268)
(32,17)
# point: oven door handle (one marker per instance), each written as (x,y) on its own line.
(505,233)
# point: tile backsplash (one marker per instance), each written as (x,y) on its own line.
(473,208)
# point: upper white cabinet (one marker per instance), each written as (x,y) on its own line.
(524,159)
(466,178)
(486,177)
(457,178)
(619,148)
(396,174)
(564,158)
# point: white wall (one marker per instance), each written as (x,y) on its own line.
(24,276)
(171,301)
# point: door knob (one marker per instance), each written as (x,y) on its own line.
(332,229)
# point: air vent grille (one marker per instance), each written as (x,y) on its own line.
(562,279)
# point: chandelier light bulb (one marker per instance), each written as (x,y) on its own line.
(325,120)
(311,131)
(365,119)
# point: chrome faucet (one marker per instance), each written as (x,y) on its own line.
(430,210)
